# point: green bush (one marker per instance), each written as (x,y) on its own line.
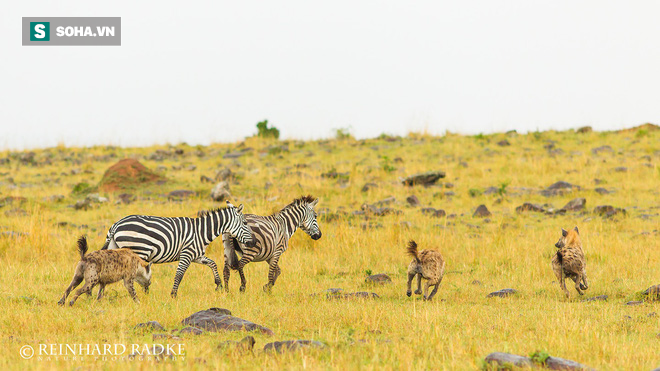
(267,132)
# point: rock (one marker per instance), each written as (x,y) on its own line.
(530,207)
(425,179)
(281,346)
(559,188)
(369,186)
(220,192)
(244,345)
(653,293)
(412,200)
(149,326)
(379,211)
(190,330)
(602,149)
(481,212)
(205,179)
(503,143)
(491,190)
(634,302)
(224,175)
(233,154)
(385,201)
(506,360)
(333,174)
(556,363)
(502,293)
(585,129)
(82,204)
(602,191)
(352,295)
(126,198)
(597,298)
(216,320)
(380,279)
(621,169)
(435,213)
(575,204)
(608,210)
(180,194)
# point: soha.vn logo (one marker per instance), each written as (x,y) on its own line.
(39,31)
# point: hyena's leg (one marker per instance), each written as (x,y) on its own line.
(77,279)
(562,282)
(426,289)
(411,276)
(214,267)
(273,271)
(101,289)
(419,284)
(578,283)
(128,283)
(248,256)
(86,288)
(184,263)
(435,289)
(585,284)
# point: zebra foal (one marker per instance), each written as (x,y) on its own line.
(272,234)
(164,240)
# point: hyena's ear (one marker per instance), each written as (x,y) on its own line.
(564,232)
(578,232)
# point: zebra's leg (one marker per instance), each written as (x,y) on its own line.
(247,258)
(184,263)
(214,267)
(226,272)
(273,271)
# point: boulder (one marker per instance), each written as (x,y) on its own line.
(502,293)
(608,211)
(217,319)
(425,179)
(281,346)
(602,149)
(597,298)
(507,360)
(527,206)
(412,200)
(559,188)
(435,213)
(149,326)
(481,212)
(190,330)
(653,293)
(220,192)
(380,279)
(575,204)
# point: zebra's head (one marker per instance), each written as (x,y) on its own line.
(238,227)
(308,221)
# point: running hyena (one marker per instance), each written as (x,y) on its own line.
(108,266)
(569,261)
(427,264)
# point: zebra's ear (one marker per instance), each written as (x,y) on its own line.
(239,209)
(314,203)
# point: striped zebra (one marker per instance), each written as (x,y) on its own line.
(165,240)
(272,234)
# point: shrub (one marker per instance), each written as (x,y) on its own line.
(267,132)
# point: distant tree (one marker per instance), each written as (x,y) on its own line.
(267,132)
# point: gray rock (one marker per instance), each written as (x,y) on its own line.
(224,175)
(233,154)
(608,211)
(575,204)
(653,292)
(506,360)
(216,320)
(481,212)
(636,302)
(621,169)
(369,186)
(527,206)
(597,298)
(435,213)
(281,346)
(502,293)
(559,188)
(556,363)
(190,330)
(380,279)
(82,204)
(425,179)
(220,192)
(412,200)
(150,326)
(602,149)
(353,295)
(602,191)
(180,194)
(503,143)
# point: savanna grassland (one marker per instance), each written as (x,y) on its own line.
(456,330)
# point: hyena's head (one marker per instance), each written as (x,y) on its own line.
(143,276)
(567,236)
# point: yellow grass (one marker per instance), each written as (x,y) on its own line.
(455,331)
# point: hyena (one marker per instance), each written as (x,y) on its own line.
(427,264)
(569,261)
(108,266)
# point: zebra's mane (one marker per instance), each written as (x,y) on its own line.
(205,213)
(298,201)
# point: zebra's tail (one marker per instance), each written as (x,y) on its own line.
(107,241)
(82,246)
(412,250)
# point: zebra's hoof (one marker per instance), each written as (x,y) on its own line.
(268,288)
(242,289)
(61,302)
(418,292)
(173,295)
(408,293)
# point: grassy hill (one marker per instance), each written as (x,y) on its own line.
(39,226)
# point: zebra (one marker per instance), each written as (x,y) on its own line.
(272,234)
(165,240)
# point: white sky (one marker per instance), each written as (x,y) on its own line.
(202,72)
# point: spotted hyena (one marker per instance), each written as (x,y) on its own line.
(427,264)
(108,266)
(569,261)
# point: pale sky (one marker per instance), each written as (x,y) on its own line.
(203,72)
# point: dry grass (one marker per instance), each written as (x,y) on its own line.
(455,331)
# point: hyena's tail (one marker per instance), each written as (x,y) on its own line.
(412,250)
(82,246)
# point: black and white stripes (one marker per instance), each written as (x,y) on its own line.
(164,240)
(272,234)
